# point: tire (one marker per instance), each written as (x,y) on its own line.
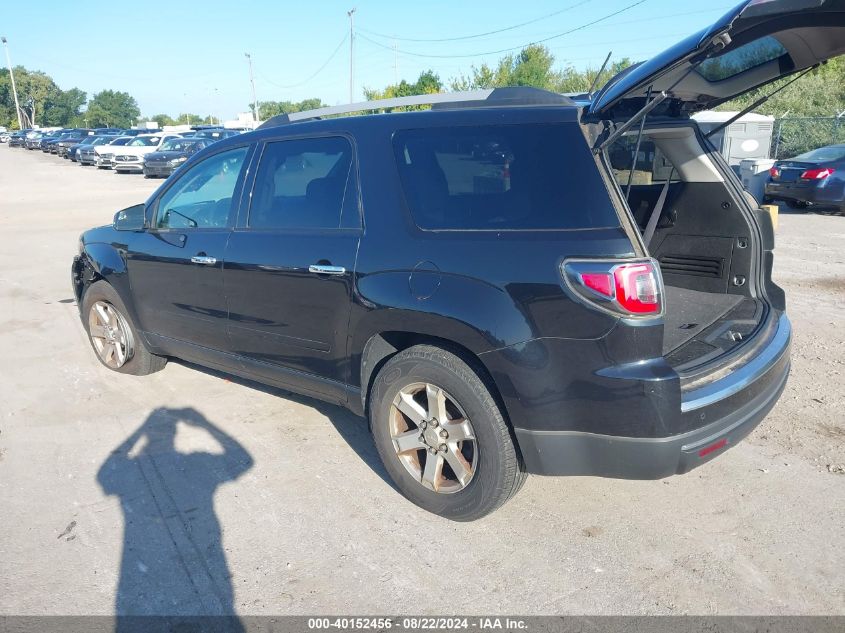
(101,305)
(799,205)
(490,465)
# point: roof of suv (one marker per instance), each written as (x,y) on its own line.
(522,96)
(465,112)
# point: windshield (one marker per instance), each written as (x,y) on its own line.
(146,141)
(101,140)
(123,140)
(832,154)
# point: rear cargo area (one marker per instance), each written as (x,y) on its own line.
(688,312)
(702,326)
(702,243)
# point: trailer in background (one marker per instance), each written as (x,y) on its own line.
(750,136)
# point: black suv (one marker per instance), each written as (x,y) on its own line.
(494,283)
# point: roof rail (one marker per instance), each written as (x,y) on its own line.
(488,98)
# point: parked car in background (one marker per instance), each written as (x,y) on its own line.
(52,146)
(108,131)
(33,139)
(52,137)
(104,154)
(64,145)
(4,136)
(215,134)
(88,140)
(137,132)
(813,179)
(131,156)
(171,154)
(18,139)
(87,147)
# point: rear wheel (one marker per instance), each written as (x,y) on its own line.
(442,436)
(113,335)
(799,205)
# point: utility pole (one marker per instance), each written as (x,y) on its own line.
(395,64)
(12,77)
(252,81)
(351,15)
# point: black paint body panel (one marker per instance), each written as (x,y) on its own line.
(559,365)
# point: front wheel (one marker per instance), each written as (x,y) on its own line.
(113,335)
(442,436)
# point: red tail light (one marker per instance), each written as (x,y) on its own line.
(627,288)
(816,174)
(774,172)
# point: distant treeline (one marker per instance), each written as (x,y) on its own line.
(821,93)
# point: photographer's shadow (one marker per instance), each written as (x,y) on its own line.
(173,561)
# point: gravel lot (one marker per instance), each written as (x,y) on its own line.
(288,511)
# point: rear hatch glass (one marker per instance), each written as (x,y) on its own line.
(752,45)
(509,177)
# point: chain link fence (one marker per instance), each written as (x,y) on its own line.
(793,136)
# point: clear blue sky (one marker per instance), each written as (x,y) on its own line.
(187,55)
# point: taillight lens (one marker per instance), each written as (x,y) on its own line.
(628,288)
(816,174)
(636,288)
(774,172)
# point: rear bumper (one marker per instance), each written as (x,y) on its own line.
(831,193)
(731,408)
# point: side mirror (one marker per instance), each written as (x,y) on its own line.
(131,219)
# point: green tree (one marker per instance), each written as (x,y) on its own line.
(820,93)
(163,119)
(36,92)
(63,108)
(111,108)
(427,83)
(534,66)
(267,109)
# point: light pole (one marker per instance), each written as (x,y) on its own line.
(214,113)
(351,15)
(252,82)
(12,77)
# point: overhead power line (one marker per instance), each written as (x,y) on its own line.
(510,49)
(315,73)
(476,35)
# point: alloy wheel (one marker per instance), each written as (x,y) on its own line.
(433,438)
(110,334)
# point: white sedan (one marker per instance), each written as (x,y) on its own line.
(130,157)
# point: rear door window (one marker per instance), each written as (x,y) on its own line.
(491,178)
(302,184)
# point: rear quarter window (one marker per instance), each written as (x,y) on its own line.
(496,178)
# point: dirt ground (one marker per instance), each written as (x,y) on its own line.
(189,492)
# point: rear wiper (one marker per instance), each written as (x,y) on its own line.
(756,104)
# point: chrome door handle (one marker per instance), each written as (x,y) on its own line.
(321,269)
(202,259)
